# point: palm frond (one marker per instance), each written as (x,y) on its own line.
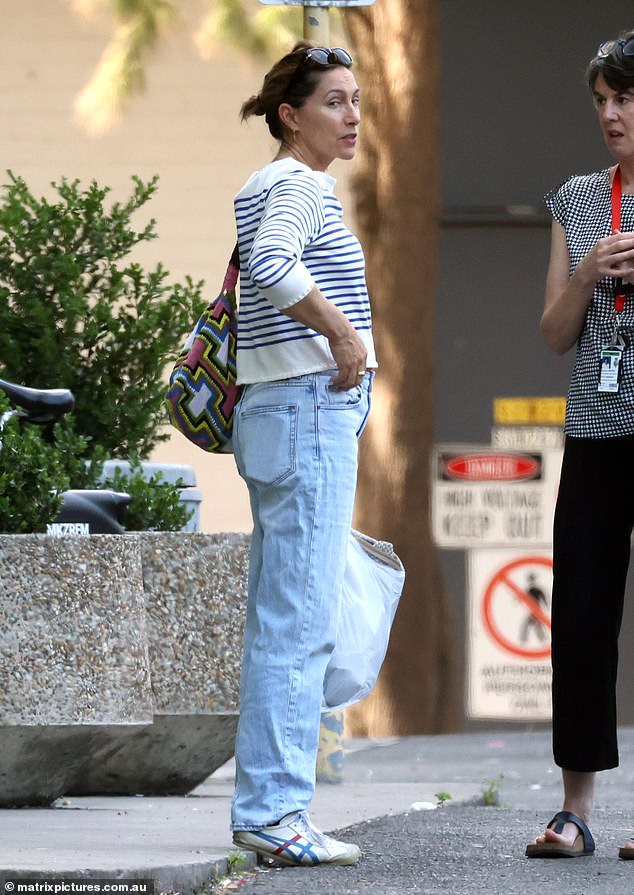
(264,34)
(261,35)
(121,69)
(86,8)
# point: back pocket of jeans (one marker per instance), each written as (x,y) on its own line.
(268,443)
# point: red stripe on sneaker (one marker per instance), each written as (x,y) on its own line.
(286,844)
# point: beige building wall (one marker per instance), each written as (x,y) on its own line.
(185,128)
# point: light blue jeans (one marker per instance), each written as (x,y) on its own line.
(295,444)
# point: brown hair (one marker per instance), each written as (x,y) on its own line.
(291,80)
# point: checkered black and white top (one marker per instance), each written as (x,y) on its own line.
(582,205)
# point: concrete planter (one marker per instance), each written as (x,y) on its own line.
(119,662)
(195,592)
(195,596)
(169,757)
(74,664)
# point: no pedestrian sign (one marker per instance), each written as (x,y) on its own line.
(509,671)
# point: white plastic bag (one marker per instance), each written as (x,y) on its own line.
(372,587)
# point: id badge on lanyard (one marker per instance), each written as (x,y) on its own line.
(612,354)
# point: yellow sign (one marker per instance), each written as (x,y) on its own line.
(529,411)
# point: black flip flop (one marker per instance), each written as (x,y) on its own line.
(627,852)
(580,848)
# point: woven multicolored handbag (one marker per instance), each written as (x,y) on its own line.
(203,391)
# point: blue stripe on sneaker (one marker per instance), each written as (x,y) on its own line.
(286,846)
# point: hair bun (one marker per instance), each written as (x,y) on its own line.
(252,106)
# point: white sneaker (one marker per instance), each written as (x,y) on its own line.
(295,841)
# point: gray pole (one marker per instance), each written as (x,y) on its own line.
(317,24)
(330,753)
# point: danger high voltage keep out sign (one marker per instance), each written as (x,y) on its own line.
(483,496)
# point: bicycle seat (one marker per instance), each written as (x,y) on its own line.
(40,405)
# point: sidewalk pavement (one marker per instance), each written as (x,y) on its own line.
(388,796)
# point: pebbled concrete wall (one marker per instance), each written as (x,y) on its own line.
(119,661)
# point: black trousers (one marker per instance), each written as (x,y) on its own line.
(591,552)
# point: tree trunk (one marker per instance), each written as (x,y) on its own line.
(397,196)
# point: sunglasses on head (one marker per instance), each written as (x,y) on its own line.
(326,56)
(609,46)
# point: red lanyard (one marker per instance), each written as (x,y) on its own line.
(619,299)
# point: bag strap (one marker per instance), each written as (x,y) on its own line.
(233,271)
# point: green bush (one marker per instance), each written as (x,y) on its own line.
(37,464)
(75,312)
(75,449)
(32,477)
(155,504)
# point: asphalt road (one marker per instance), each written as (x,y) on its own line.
(456,850)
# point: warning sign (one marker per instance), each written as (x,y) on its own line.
(487,497)
(529,411)
(509,670)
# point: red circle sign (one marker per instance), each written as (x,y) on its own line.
(501,584)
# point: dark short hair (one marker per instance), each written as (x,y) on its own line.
(617,69)
(291,80)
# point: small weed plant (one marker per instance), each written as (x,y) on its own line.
(490,793)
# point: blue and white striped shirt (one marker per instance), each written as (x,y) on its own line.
(291,237)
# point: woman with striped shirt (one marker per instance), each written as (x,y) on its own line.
(305,359)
